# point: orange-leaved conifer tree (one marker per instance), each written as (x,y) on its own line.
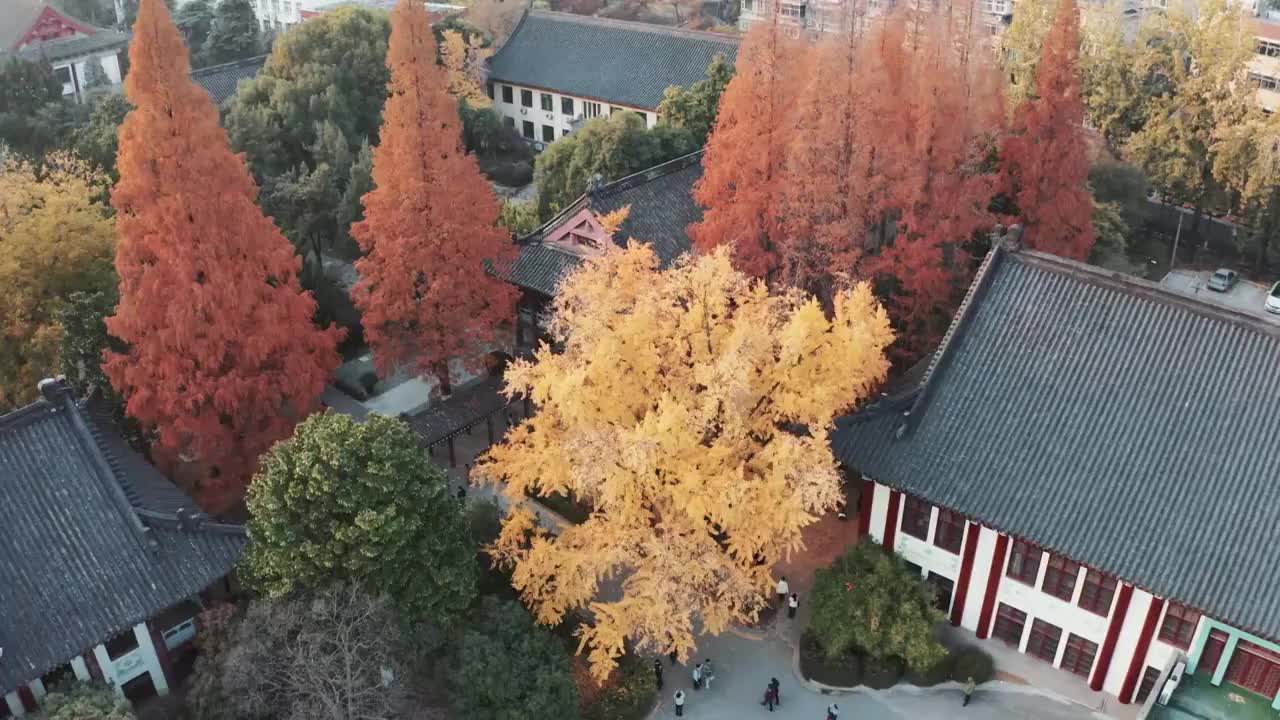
(671,408)
(744,166)
(1045,156)
(429,230)
(223,358)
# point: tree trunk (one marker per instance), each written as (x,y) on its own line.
(442,374)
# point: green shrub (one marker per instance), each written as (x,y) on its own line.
(507,171)
(881,673)
(934,674)
(844,670)
(86,701)
(972,662)
(630,697)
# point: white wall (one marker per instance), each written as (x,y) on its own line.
(554,118)
(978,578)
(109,62)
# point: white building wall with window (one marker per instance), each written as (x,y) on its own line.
(542,116)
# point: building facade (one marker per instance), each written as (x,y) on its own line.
(558,70)
(105,563)
(1081,475)
(86,59)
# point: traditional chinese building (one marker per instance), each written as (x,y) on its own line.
(85,58)
(1087,474)
(104,563)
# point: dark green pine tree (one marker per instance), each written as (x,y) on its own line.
(234,34)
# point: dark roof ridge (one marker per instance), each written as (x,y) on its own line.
(940,356)
(1142,287)
(26,413)
(647,175)
(223,66)
(197,521)
(637,25)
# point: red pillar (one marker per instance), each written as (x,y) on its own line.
(993,584)
(1139,660)
(162,655)
(28,698)
(95,670)
(891,522)
(864,507)
(966,569)
(1113,634)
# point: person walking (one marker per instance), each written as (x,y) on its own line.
(776,687)
(679,703)
(657,672)
(770,697)
(707,674)
(833,711)
(793,602)
(969,686)
(783,590)
(697,676)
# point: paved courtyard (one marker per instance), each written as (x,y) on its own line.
(744,667)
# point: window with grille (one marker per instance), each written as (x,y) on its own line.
(566,106)
(548,102)
(1079,655)
(915,517)
(528,129)
(506,94)
(526,98)
(1179,625)
(1024,562)
(509,122)
(1149,678)
(1060,577)
(1009,624)
(591,109)
(548,133)
(1268,48)
(950,531)
(1044,639)
(1263,82)
(1097,592)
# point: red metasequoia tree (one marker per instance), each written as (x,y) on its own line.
(223,358)
(744,165)
(429,231)
(1045,156)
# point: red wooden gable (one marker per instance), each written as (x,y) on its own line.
(580,234)
(51,25)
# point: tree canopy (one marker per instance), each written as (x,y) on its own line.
(85,701)
(507,667)
(429,233)
(195,20)
(57,239)
(233,32)
(226,371)
(695,108)
(361,502)
(669,406)
(869,601)
(1021,46)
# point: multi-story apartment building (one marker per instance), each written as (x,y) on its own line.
(558,69)
(1086,475)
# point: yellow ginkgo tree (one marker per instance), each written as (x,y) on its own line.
(689,408)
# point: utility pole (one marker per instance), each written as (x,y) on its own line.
(1173,259)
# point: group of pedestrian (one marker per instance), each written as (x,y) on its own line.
(703,673)
(786,596)
(772,695)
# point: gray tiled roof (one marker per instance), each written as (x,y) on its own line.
(91,544)
(467,407)
(220,81)
(1106,419)
(662,207)
(62,49)
(627,63)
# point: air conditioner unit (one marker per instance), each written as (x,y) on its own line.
(1171,684)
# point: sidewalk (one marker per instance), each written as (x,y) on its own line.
(744,667)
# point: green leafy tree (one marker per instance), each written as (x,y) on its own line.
(868,601)
(520,217)
(97,139)
(84,337)
(1111,239)
(1117,82)
(195,20)
(85,701)
(695,108)
(605,149)
(306,200)
(25,87)
(350,209)
(233,33)
(95,76)
(343,500)
(95,12)
(507,667)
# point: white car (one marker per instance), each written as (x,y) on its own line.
(1273,299)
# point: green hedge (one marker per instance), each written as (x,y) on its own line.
(937,673)
(881,673)
(842,671)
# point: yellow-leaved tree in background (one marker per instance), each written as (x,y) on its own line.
(675,408)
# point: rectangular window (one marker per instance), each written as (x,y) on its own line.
(1179,625)
(950,531)
(791,10)
(526,98)
(488,89)
(1009,624)
(122,644)
(528,129)
(566,106)
(509,122)
(915,517)
(506,94)
(643,117)
(548,133)
(1060,577)
(1268,48)
(591,109)
(1263,82)
(1097,592)
(1078,657)
(1024,562)
(1149,678)
(1043,642)
(943,589)
(548,102)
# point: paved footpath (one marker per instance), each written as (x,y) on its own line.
(744,667)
